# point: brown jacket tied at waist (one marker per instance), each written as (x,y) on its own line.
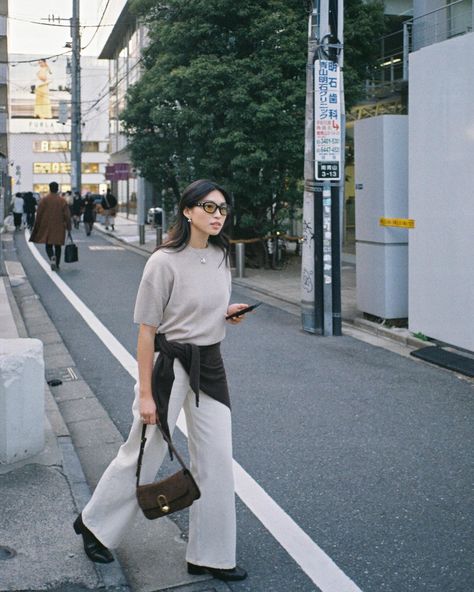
(203,365)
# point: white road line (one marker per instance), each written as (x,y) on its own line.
(317,565)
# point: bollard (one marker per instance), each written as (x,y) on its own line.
(159,235)
(21,399)
(240,260)
(141,233)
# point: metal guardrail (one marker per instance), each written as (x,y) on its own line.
(440,24)
(446,22)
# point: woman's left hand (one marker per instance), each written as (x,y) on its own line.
(235,308)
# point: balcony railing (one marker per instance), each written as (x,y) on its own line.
(443,23)
(391,72)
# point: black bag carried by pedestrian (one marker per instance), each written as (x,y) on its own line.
(174,493)
(71,252)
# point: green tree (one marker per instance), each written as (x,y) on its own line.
(222,96)
(364,25)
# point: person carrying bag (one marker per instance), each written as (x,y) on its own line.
(109,203)
(71,252)
(182,318)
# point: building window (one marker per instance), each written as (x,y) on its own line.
(44,187)
(50,168)
(90,146)
(63,187)
(61,168)
(64,146)
(52,146)
(91,187)
(90,167)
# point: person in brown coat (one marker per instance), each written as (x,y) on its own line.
(52,220)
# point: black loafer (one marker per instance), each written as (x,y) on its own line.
(94,549)
(227,575)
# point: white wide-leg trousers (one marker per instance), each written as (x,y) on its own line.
(212,522)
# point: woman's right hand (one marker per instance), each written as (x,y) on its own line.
(147,409)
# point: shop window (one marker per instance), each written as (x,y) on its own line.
(59,168)
(52,146)
(51,168)
(89,168)
(90,146)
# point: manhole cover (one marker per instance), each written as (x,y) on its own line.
(6,553)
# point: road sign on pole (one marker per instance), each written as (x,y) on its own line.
(327,121)
(324,172)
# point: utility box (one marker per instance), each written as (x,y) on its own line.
(381,189)
(21,399)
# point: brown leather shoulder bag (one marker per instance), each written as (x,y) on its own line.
(174,493)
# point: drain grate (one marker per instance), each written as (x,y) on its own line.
(6,553)
(66,374)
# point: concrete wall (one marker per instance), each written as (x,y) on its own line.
(21,399)
(441,190)
(381,164)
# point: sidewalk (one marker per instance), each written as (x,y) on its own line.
(41,494)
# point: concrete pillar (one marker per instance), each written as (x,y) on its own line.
(21,399)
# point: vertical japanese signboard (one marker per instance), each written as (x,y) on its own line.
(327,121)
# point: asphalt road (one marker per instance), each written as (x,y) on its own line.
(368,451)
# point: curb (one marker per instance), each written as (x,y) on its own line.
(112,577)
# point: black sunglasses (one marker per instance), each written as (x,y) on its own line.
(210,207)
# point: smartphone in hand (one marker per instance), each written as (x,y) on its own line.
(241,312)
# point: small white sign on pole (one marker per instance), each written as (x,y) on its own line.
(327,121)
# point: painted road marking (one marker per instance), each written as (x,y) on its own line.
(317,565)
(105,248)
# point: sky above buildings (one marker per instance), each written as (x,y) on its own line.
(28,37)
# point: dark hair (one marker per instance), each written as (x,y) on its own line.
(53,187)
(180,233)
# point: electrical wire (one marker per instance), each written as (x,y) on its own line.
(56,24)
(114,87)
(97,28)
(56,55)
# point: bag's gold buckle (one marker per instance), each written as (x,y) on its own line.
(163,503)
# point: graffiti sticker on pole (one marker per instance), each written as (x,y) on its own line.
(327,120)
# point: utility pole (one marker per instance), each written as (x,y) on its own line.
(323,171)
(76,143)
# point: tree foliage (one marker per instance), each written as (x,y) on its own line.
(222,96)
(364,24)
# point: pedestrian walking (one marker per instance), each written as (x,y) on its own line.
(52,221)
(76,209)
(109,203)
(181,309)
(89,213)
(30,209)
(18,210)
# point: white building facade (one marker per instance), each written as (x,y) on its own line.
(441,173)
(122,46)
(39,144)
